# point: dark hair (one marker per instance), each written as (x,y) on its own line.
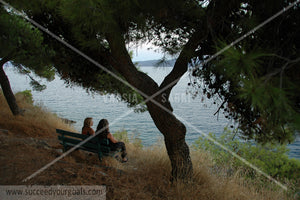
(103,126)
(87,122)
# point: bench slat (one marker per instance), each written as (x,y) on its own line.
(105,150)
(68,144)
(75,142)
(68,133)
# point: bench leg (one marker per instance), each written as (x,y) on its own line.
(100,156)
(66,148)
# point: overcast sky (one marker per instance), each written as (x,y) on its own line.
(142,53)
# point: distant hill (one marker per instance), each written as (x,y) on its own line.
(151,63)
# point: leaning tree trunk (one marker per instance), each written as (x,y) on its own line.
(9,95)
(173,130)
(174,133)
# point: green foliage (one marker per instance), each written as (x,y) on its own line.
(26,95)
(239,63)
(252,97)
(81,26)
(257,80)
(24,47)
(271,159)
(266,110)
(122,135)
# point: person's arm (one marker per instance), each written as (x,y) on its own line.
(111,137)
(92,132)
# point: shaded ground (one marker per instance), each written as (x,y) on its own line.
(143,177)
(29,142)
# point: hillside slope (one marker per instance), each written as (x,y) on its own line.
(29,142)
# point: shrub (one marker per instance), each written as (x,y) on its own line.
(26,96)
(270,158)
(122,135)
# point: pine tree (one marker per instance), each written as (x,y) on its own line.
(22,46)
(256,79)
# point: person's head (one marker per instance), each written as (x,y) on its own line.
(103,126)
(88,122)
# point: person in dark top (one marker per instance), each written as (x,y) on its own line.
(87,129)
(103,128)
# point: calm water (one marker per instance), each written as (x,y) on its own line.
(75,104)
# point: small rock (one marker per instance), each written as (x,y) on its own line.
(59,150)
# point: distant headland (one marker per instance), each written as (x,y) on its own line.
(159,63)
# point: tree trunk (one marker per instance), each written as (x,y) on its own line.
(172,129)
(9,95)
(174,136)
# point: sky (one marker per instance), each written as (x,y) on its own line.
(142,53)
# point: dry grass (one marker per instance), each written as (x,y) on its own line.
(144,176)
(36,121)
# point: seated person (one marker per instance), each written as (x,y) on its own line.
(86,129)
(103,128)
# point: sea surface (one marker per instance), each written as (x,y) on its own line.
(74,103)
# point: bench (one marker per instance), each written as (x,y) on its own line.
(70,139)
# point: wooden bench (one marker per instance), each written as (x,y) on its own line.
(70,139)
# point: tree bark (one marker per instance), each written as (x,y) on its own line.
(173,130)
(7,91)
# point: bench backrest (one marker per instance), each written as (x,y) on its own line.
(67,137)
(68,133)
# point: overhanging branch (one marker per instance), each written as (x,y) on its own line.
(181,64)
(287,65)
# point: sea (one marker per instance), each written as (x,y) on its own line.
(199,114)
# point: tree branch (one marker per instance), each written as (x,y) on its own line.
(181,64)
(121,62)
(281,70)
(221,106)
(4,60)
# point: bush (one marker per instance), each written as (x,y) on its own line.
(122,135)
(270,158)
(25,96)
